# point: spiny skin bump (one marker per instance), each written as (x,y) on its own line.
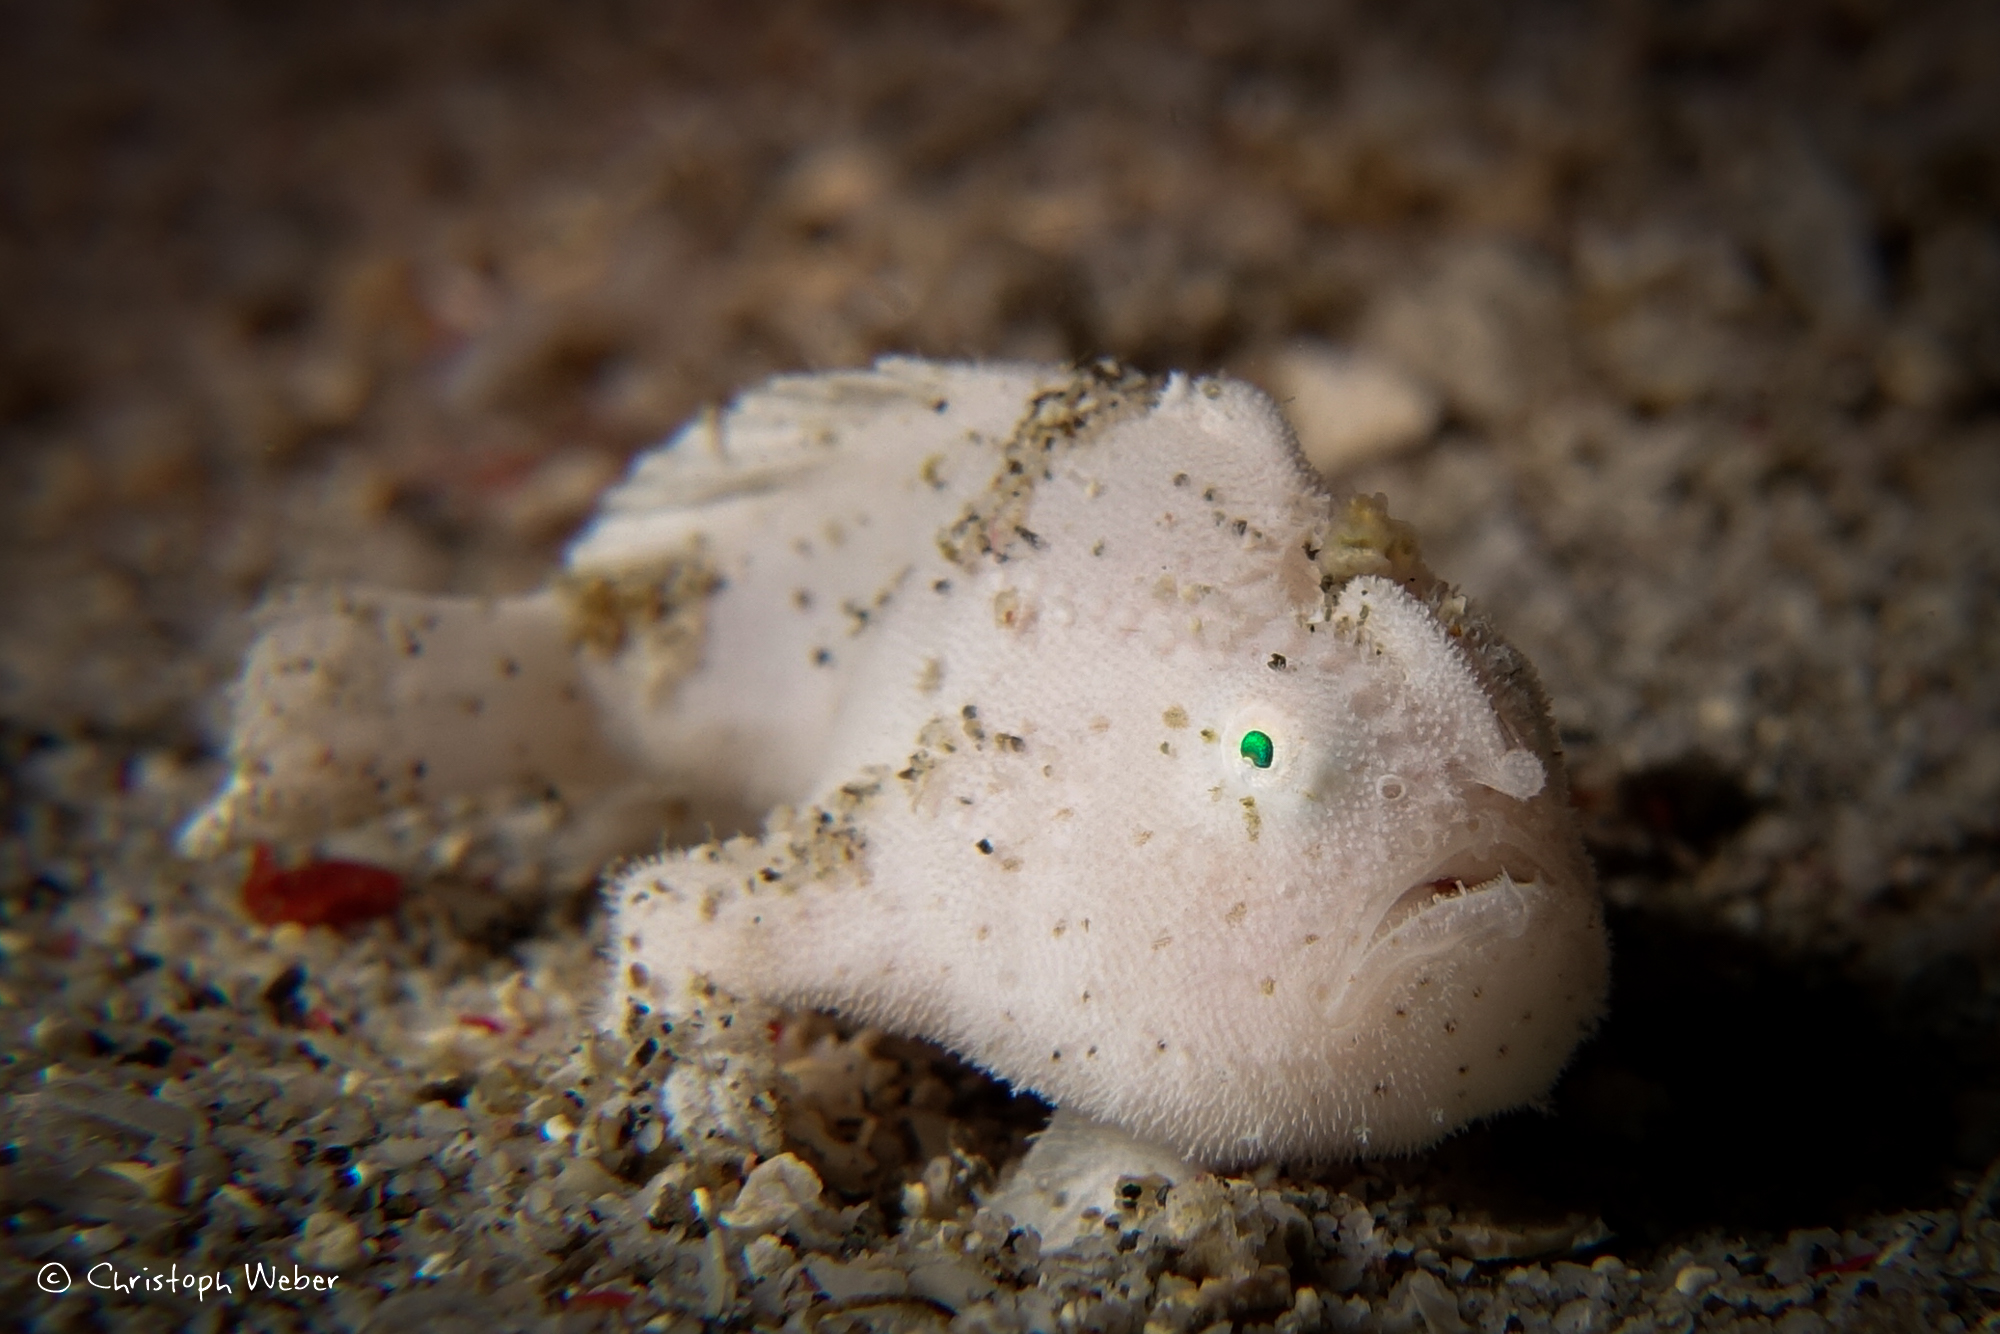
(1102,746)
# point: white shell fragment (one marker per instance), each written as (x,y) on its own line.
(1099,744)
(1068,1184)
(1350,408)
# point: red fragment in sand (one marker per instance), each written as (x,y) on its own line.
(600,1299)
(1854,1264)
(491,1025)
(327,893)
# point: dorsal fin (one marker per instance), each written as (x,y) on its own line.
(792,428)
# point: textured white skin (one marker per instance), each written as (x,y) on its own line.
(813,485)
(1082,886)
(1127,947)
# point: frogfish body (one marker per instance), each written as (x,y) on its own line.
(1099,743)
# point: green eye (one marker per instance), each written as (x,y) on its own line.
(1257,749)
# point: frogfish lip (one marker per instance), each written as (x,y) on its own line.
(1480,891)
(1492,907)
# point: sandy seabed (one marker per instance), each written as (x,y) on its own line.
(1690,320)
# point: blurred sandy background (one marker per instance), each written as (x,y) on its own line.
(1674,327)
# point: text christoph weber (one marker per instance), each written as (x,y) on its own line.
(106,1277)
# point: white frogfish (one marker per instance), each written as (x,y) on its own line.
(1099,744)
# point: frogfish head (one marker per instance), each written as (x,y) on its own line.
(1435,906)
(1410,937)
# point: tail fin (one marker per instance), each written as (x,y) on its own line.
(357,704)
